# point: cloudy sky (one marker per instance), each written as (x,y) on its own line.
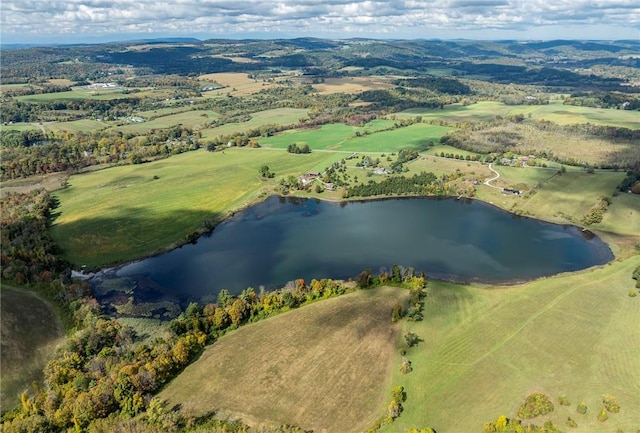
(78,21)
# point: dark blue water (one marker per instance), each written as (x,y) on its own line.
(282,239)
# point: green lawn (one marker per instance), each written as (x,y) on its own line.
(485,349)
(123,213)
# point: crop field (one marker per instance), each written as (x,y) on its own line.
(279,116)
(124,213)
(324,367)
(485,349)
(554,111)
(352,85)
(25,349)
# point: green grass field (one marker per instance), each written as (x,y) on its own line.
(343,137)
(123,213)
(554,111)
(279,116)
(30,333)
(75,126)
(324,367)
(196,119)
(486,349)
(76,94)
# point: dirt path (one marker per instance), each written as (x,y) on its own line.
(487,182)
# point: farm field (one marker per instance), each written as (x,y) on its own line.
(554,111)
(279,116)
(196,119)
(342,137)
(76,94)
(25,349)
(485,349)
(123,213)
(82,125)
(352,85)
(333,357)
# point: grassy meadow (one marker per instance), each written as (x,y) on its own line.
(123,213)
(343,137)
(352,85)
(278,116)
(325,367)
(555,111)
(485,349)
(25,349)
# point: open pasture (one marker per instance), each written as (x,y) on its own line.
(196,119)
(78,93)
(278,116)
(82,125)
(485,349)
(125,213)
(30,332)
(236,83)
(352,85)
(554,112)
(19,126)
(324,367)
(343,137)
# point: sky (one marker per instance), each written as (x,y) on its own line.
(93,21)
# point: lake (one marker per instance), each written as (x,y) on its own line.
(282,239)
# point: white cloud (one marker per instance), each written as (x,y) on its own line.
(342,18)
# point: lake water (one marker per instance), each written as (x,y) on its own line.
(283,239)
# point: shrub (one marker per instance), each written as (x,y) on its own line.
(571,423)
(582,407)
(563,401)
(536,404)
(411,339)
(610,403)
(632,293)
(603,415)
(405,367)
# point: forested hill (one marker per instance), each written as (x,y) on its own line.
(561,63)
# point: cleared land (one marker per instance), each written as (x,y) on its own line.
(352,85)
(371,139)
(324,367)
(124,213)
(30,333)
(554,111)
(279,116)
(485,350)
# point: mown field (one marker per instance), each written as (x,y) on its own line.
(325,367)
(279,116)
(371,139)
(123,213)
(486,349)
(29,335)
